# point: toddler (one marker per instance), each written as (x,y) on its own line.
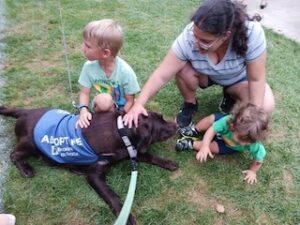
(240,131)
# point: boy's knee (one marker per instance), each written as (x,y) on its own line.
(103,102)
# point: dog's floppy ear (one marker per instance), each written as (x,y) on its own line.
(144,134)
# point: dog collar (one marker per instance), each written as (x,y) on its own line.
(130,148)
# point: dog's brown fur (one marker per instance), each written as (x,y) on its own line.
(103,137)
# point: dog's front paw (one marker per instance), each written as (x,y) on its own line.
(171,165)
(25,169)
(131,220)
(27,174)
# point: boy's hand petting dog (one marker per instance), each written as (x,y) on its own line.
(250,176)
(84,118)
(203,153)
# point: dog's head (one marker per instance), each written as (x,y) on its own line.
(153,128)
(103,136)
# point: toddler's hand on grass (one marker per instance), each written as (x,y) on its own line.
(203,153)
(250,176)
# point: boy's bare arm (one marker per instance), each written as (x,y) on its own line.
(129,102)
(204,149)
(85,116)
(250,175)
(255,165)
(208,137)
(84,96)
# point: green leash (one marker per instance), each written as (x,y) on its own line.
(125,212)
(66,55)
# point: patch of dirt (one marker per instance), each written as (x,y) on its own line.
(220,221)
(27,101)
(227,160)
(198,195)
(18,29)
(288,181)
(56,90)
(45,94)
(37,65)
(73,223)
(175,175)
(263,219)
(278,136)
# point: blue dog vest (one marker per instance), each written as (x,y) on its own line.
(56,136)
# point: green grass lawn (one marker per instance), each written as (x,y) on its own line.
(36,76)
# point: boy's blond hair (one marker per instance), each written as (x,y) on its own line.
(105,34)
(250,122)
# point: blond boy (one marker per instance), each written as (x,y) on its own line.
(105,71)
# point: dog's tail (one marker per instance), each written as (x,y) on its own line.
(12,112)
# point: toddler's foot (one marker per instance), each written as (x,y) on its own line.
(184,144)
(190,132)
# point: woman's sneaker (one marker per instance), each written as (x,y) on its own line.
(184,144)
(185,115)
(226,103)
(190,132)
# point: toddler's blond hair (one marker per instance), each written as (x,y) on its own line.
(105,34)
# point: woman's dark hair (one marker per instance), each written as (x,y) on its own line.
(218,16)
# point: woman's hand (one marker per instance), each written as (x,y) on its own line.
(84,118)
(250,176)
(133,115)
(203,153)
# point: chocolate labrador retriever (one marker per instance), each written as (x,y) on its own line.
(90,151)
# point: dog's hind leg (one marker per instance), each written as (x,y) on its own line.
(22,151)
(157,161)
(79,170)
(96,178)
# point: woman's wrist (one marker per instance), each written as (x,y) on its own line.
(138,102)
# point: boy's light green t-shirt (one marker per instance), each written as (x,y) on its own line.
(256,149)
(122,82)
